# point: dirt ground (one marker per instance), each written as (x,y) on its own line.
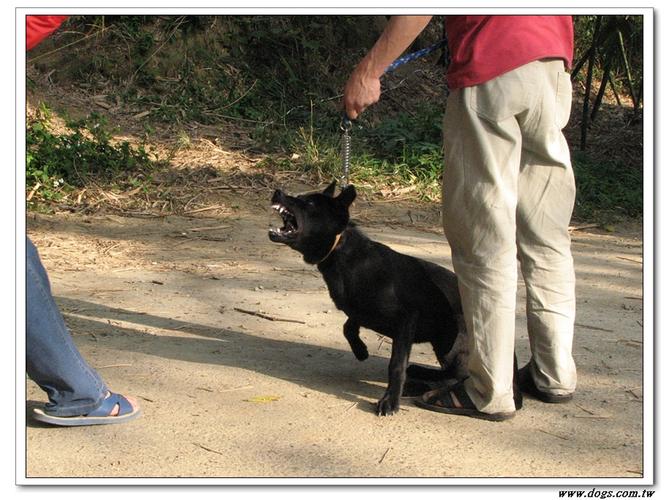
(168,309)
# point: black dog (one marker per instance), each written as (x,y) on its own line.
(407,299)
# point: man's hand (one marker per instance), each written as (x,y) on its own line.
(362,90)
(364,85)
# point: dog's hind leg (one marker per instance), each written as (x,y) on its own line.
(352,334)
(399,359)
(452,357)
(444,347)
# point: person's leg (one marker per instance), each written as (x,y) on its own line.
(52,359)
(546,199)
(482,148)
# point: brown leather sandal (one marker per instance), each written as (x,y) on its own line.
(454,400)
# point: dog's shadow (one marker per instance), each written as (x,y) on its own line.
(319,368)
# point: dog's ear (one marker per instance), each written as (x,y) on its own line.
(347,196)
(329,191)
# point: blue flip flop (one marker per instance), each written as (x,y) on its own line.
(99,416)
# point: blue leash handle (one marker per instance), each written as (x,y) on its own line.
(347,122)
(415,55)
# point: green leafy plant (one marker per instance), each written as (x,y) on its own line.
(55,162)
(606,190)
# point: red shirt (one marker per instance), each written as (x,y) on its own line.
(484,47)
(39,27)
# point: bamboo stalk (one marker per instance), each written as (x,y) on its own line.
(628,71)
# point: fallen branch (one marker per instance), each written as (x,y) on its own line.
(584,409)
(142,214)
(554,435)
(600,417)
(141,115)
(631,260)
(208,228)
(208,449)
(630,342)
(268,317)
(108,249)
(584,226)
(589,327)
(631,391)
(384,455)
(349,407)
(198,210)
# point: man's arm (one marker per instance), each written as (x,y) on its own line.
(364,85)
(39,27)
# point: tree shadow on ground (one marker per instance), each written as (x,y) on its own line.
(320,368)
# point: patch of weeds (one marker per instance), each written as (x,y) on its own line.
(606,190)
(55,163)
(403,150)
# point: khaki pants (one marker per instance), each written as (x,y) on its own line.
(508,195)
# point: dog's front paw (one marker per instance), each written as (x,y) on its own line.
(387,405)
(360,352)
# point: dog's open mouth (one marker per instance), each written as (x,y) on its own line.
(290,227)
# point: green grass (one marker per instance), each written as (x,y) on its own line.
(402,151)
(606,190)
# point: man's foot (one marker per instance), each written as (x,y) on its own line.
(115,409)
(454,400)
(527,385)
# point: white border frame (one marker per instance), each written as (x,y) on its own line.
(650,410)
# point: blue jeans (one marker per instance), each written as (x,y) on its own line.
(52,359)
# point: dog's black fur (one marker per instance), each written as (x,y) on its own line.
(407,299)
